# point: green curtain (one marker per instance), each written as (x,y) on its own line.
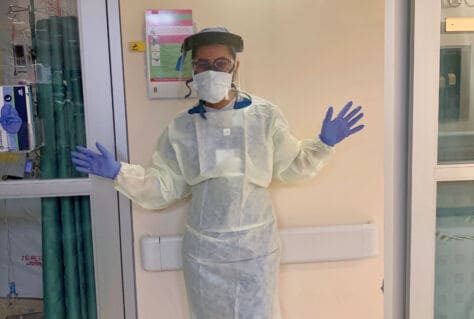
(68,265)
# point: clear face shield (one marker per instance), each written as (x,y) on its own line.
(212,78)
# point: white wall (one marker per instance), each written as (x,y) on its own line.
(304,56)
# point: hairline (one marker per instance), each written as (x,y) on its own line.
(229,49)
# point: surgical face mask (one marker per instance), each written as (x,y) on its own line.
(212,86)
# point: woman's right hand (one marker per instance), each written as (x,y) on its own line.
(90,162)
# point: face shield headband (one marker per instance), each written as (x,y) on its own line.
(208,38)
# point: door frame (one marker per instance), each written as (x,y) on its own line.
(425,46)
(101,57)
(121,149)
(424,170)
(396,107)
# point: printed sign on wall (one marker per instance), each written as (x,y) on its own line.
(165,32)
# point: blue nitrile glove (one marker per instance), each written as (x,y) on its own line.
(9,119)
(334,131)
(101,164)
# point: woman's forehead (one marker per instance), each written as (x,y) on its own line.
(213,51)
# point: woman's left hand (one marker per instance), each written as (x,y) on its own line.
(334,131)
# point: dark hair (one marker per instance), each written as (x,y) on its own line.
(230,49)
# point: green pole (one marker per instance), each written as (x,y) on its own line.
(67,82)
(53,288)
(32,18)
(71,278)
(48,168)
(89,258)
(76,79)
(72,71)
(59,97)
(79,223)
(72,76)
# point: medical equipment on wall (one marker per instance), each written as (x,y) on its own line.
(26,135)
(21,133)
(39,56)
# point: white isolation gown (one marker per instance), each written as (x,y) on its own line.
(231,246)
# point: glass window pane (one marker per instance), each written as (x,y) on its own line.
(42,111)
(456,87)
(46,258)
(454,271)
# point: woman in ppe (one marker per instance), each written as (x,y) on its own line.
(225,151)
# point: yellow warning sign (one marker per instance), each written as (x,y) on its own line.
(137,46)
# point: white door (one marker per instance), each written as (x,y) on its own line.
(95,54)
(441,188)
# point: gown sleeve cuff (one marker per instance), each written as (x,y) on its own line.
(323,147)
(126,170)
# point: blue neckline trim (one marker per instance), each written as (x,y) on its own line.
(242,102)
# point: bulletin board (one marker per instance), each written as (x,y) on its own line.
(165,32)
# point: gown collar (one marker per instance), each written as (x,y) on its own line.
(240,103)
